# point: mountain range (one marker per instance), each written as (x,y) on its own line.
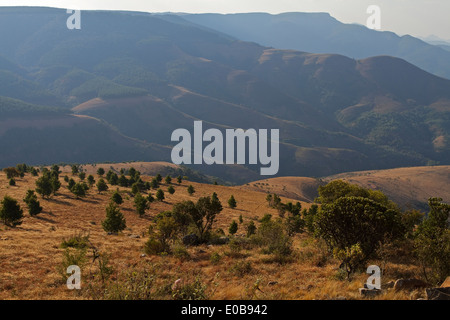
(116,89)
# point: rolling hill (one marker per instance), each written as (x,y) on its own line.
(130,79)
(409,187)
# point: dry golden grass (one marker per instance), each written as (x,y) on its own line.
(30,254)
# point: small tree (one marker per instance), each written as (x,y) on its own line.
(75,170)
(160,195)
(12,182)
(171,190)
(10,212)
(117,198)
(190,190)
(100,172)
(432,242)
(251,229)
(179,179)
(154,184)
(82,176)
(101,185)
(135,188)
(158,178)
(168,179)
(11,172)
(79,190)
(354,227)
(141,204)
(232,202)
(91,180)
(44,186)
(34,207)
(123,181)
(115,221)
(233,228)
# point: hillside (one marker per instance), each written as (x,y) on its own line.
(409,187)
(145,75)
(321,33)
(33,249)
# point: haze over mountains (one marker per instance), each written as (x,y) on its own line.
(116,89)
(321,33)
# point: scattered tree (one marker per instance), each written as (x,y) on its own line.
(34,207)
(117,198)
(160,195)
(233,228)
(140,204)
(190,190)
(115,221)
(101,185)
(10,212)
(232,202)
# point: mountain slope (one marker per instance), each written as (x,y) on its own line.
(321,33)
(141,76)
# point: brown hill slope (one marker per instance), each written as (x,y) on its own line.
(406,186)
(409,187)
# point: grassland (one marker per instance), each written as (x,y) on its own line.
(31,254)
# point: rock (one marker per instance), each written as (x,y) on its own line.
(438,293)
(446,283)
(368,293)
(339,298)
(409,284)
(272,283)
(190,240)
(388,285)
(143,255)
(134,236)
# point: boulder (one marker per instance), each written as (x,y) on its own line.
(438,293)
(191,240)
(369,293)
(410,284)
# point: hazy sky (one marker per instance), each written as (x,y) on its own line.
(415,17)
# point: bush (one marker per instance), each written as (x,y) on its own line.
(352,222)
(171,190)
(241,268)
(191,190)
(215,258)
(12,182)
(72,257)
(179,251)
(271,235)
(432,242)
(154,247)
(191,291)
(78,241)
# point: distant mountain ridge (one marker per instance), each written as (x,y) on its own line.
(321,33)
(133,78)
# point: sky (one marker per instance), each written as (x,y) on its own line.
(419,18)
